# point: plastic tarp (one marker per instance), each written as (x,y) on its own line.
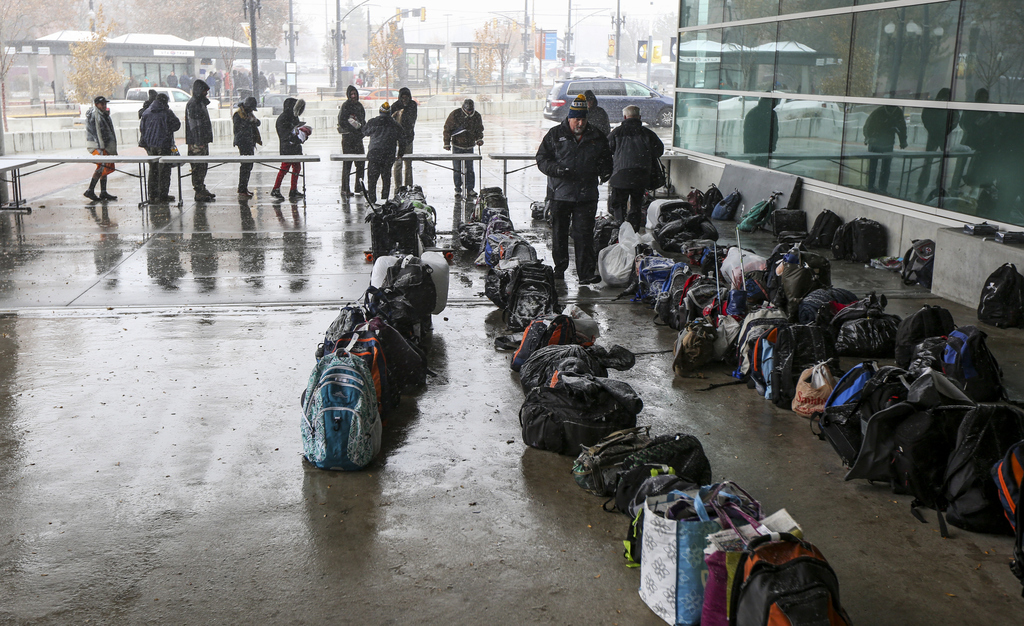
(574,359)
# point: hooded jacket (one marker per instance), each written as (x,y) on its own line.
(99,131)
(596,116)
(246,128)
(883,127)
(409,113)
(286,123)
(351,109)
(198,129)
(384,133)
(472,127)
(634,151)
(158,126)
(574,168)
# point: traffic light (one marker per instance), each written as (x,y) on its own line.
(398,14)
(423,14)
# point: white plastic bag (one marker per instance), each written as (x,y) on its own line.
(615,263)
(585,324)
(380,270)
(751,262)
(438,274)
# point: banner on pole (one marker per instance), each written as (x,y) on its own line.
(641,51)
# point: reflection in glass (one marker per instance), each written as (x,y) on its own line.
(991,51)
(812,55)
(938,124)
(696,116)
(810,139)
(748,57)
(749,9)
(905,52)
(699,59)
(760,132)
(700,12)
(799,6)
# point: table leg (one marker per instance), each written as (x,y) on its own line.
(504,178)
(181,199)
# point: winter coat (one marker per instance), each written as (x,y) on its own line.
(384,133)
(598,118)
(409,114)
(472,125)
(939,123)
(99,131)
(574,167)
(635,149)
(883,126)
(158,126)
(198,129)
(247,129)
(286,123)
(350,109)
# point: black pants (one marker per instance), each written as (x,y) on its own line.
(351,143)
(158,184)
(617,199)
(576,219)
(459,166)
(873,166)
(381,170)
(245,169)
(199,169)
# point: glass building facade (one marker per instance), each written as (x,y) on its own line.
(918,101)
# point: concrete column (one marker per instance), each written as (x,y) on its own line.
(33,79)
(58,74)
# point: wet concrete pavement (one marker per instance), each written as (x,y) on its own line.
(150,469)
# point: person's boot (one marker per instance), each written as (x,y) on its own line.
(91,192)
(295,194)
(276,193)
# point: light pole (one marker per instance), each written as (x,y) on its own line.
(618,20)
(339,42)
(251,8)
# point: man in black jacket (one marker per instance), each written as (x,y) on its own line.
(597,117)
(246,127)
(575,158)
(156,131)
(405,111)
(384,133)
(463,130)
(351,119)
(199,136)
(635,152)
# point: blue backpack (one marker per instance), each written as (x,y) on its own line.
(652,273)
(341,428)
(840,423)
(726,209)
(968,361)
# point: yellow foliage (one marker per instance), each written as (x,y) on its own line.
(91,72)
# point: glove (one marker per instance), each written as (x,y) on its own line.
(447,147)
(604,179)
(561,172)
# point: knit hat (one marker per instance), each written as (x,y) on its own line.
(385,108)
(578,108)
(249,104)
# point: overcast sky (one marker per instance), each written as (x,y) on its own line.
(451,20)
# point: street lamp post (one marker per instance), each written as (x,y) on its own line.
(251,8)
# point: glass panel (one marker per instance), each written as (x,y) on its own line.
(904,52)
(700,12)
(799,6)
(696,116)
(991,51)
(748,57)
(699,59)
(983,165)
(732,111)
(749,9)
(871,136)
(812,55)
(809,138)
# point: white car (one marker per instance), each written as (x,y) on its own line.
(736,108)
(136,96)
(588,72)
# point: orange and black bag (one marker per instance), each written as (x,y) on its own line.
(1009,475)
(784,581)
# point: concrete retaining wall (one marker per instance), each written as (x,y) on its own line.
(965,263)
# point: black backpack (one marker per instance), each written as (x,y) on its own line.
(868,240)
(412,278)
(796,348)
(1002,298)
(842,242)
(471,235)
(531,295)
(606,232)
(968,361)
(711,198)
(918,262)
(928,321)
(984,436)
(789,221)
(823,231)
(394,230)
(887,387)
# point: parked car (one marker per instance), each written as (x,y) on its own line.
(613,94)
(583,72)
(177,99)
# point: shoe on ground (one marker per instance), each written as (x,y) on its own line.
(245,192)
(167,199)
(592,280)
(295,194)
(470,194)
(276,193)
(106,196)
(203,196)
(89,193)
(560,276)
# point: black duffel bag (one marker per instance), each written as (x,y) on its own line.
(577,412)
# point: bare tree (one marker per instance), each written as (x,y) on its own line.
(497,40)
(214,18)
(91,72)
(384,52)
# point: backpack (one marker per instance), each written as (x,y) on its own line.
(842,242)
(652,271)
(754,325)
(471,235)
(868,240)
(340,426)
(823,231)
(711,199)
(411,278)
(789,222)
(968,361)
(726,208)
(364,343)
(984,436)
(1008,475)
(694,347)
(531,295)
(918,262)
(348,318)
(394,230)
(597,468)
(679,455)
(540,211)
(671,293)
(1002,298)
(888,386)
(928,321)
(781,579)
(811,304)
(559,331)
(758,215)
(839,421)
(696,198)
(393,307)
(496,286)
(606,232)
(796,349)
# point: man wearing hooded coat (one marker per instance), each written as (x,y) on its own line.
(597,117)
(405,111)
(290,144)
(351,119)
(384,133)
(246,128)
(463,130)
(199,136)
(635,152)
(156,130)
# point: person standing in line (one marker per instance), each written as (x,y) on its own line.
(405,110)
(463,130)
(883,126)
(100,139)
(172,80)
(351,119)
(159,123)
(384,133)
(597,117)
(761,131)
(575,158)
(199,136)
(939,123)
(635,153)
(291,144)
(247,136)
